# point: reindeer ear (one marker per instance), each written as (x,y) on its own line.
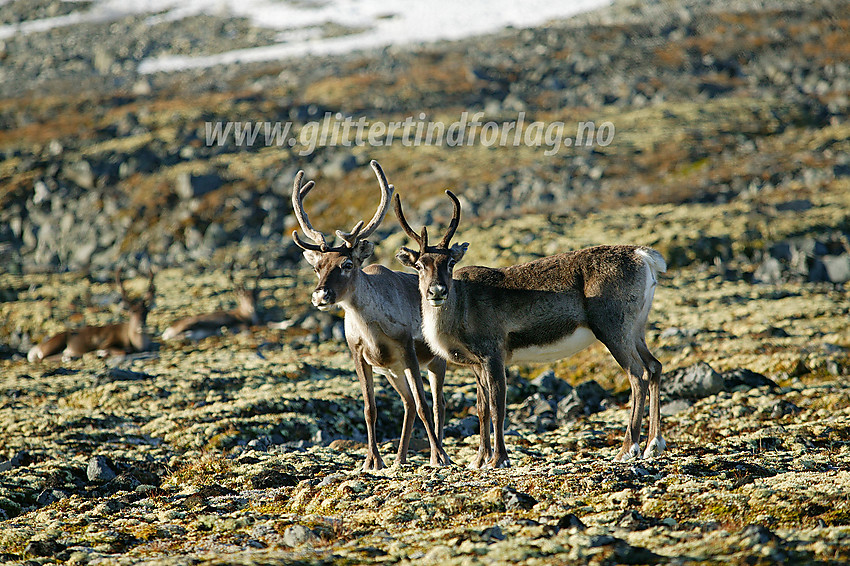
(363,250)
(406,256)
(312,257)
(458,250)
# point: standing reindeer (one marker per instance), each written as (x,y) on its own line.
(201,326)
(539,311)
(382,322)
(120,338)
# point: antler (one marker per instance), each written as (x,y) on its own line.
(423,239)
(298,194)
(151,289)
(359,232)
(120,284)
(444,243)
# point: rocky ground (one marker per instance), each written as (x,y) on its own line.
(730,158)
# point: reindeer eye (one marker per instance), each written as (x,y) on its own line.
(418,265)
(347,264)
(451,263)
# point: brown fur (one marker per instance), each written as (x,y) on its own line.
(200,326)
(482,316)
(124,337)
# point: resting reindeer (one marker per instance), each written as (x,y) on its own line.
(539,311)
(201,326)
(123,337)
(382,322)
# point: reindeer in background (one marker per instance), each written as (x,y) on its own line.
(245,314)
(120,338)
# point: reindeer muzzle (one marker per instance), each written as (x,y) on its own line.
(324,298)
(436,295)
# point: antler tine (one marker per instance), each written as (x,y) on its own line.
(444,243)
(120,285)
(350,238)
(151,289)
(307,245)
(386,194)
(298,194)
(403,221)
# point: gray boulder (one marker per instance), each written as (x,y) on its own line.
(693,382)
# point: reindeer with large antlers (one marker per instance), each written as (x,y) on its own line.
(382,322)
(244,315)
(539,311)
(119,338)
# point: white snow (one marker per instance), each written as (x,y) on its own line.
(384,23)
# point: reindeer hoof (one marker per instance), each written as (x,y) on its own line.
(494,463)
(441,459)
(372,465)
(633,453)
(655,447)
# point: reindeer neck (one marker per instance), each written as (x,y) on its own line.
(135,331)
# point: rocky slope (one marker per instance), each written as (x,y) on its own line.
(730,158)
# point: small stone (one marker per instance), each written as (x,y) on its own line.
(758,534)
(49,496)
(571,521)
(693,382)
(462,428)
(22,458)
(100,469)
(549,385)
(80,173)
(782,408)
(40,548)
(188,186)
(258,445)
(296,535)
(770,271)
(109,507)
(837,267)
(515,500)
(747,378)
(675,407)
(273,478)
(491,534)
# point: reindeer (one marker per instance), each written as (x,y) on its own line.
(120,338)
(201,326)
(539,311)
(382,322)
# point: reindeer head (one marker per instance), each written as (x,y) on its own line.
(138,308)
(434,263)
(337,266)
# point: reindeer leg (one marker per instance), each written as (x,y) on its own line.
(414,380)
(655,445)
(436,378)
(482,407)
(629,359)
(367,386)
(494,375)
(402,388)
